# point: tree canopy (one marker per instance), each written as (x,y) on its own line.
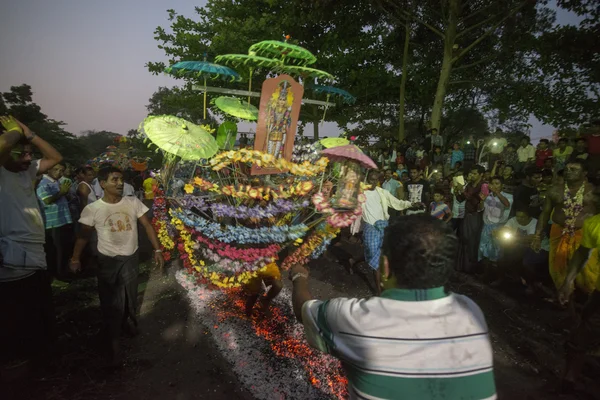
(507,60)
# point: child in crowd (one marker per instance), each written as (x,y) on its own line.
(542,153)
(457,155)
(448,162)
(496,205)
(439,209)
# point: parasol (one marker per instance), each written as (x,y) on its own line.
(333,142)
(304,72)
(180,137)
(203,69)
(285,51)
(226,135)
(349,151)
(233,106)
(251,61)
(335,92)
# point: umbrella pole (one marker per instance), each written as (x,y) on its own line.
(250,85)
(205,99)
(325,112)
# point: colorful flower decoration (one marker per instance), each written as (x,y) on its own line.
(265,160)
(335,218)
(240,234)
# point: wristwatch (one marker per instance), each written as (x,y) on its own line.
(30,138)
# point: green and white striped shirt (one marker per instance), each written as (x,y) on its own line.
(406,344)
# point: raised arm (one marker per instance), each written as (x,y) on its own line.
(542,223)
(50,156)
(8,140)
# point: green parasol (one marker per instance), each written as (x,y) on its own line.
(179,137)
(233,106)
(247,60)
(304,72)
(251,61)
(226,135)
(333,142)
(283,50)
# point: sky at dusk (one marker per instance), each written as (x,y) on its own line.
(85,59)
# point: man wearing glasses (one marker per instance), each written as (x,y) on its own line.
(25,292)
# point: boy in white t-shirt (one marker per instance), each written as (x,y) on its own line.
(115,217)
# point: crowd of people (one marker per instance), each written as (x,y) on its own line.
(518,210)
(44,204)
(510,211)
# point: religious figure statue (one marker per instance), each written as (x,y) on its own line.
(346,197)
(279,119)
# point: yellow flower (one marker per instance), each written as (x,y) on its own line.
(188,188)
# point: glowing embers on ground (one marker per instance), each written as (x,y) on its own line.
(270,356)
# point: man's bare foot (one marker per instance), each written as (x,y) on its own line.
(265,307)
(114,356)
(130,330)
(250,305)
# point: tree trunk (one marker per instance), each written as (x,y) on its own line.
(316,129)
(401,133)
(440,93)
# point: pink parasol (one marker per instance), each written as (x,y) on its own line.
(349,151)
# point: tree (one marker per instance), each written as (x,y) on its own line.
(344,39)
(473,34)
(19,103)
(96,142)
(179,101)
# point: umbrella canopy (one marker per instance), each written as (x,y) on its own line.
(233,106)
(304,72)
(351,152)
(283,50)
(226,135)
(336,92)
(333,142)
(179,137)
(247,60)
(203,69)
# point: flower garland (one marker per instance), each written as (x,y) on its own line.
(313,247)
(199,266)
(161,225)
(266,160)
(251,192)
(240,234)
(265,193)
(335,218)
(227,265)
(572,208)
(234,253)
(280,206)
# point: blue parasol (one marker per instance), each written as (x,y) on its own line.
(203,69)
(336,92)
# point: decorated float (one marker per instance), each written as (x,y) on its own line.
(239,211)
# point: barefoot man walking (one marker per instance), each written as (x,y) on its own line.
(568,205)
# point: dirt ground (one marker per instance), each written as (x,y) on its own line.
(175,357)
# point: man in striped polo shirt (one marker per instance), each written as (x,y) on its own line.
(415,341)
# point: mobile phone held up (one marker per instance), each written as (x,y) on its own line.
(485,189)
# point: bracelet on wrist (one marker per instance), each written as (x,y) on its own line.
(158,251)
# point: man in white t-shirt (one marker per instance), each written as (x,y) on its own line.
(25,293)
(115,218)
